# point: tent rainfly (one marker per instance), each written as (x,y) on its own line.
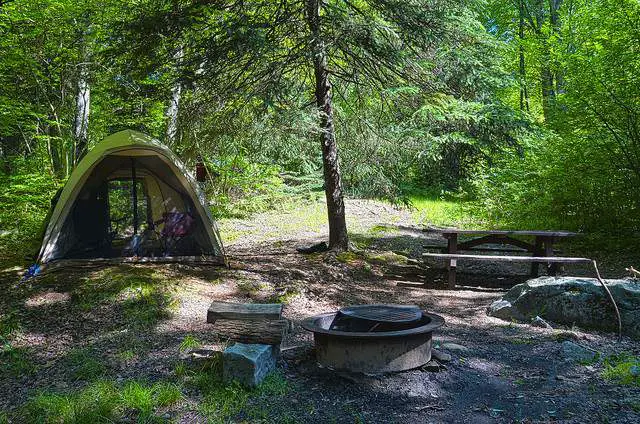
(130,199)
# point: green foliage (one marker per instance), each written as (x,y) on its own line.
(222,401)
(14,361)
(623,369)
(430,96)
(189,342)
(557,183)
(241,187)
(103,401)
(24,201)
(444,210)
(86,365)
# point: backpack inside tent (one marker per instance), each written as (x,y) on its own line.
(131,197)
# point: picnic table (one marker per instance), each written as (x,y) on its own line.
(540,249)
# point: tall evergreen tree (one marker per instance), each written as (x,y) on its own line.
(264,48)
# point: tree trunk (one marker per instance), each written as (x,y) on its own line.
(174,106)
(554,7)
(172,114)
(338,239)
(524,95)
(81,123)
(55,151)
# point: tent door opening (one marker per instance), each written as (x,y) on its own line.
(127,216)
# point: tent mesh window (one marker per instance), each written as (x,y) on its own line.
(121,210)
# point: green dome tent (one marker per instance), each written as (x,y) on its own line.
(130,198)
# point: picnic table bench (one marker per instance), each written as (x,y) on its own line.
(539,251)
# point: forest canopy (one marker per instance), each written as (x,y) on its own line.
(528,109)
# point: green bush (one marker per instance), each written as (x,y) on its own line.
(558,183)
(25,199)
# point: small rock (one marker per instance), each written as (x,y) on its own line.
(454,347)
(539,322)
(440,356)
(560,378)
(248,364)
(634,370)
(576,353)
(504,309)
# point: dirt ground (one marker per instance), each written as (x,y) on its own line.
(506,372)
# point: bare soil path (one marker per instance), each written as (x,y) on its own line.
(501,372)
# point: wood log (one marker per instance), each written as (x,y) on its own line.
(244,311)
(245,331)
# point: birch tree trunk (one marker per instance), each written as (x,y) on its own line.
(172,114)
(174,106)
(81,122)
(338,239)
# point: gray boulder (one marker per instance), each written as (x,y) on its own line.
(573,301)
(248,364)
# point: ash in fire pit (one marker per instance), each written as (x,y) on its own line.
(374,338)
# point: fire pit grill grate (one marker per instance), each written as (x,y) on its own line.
(383,313)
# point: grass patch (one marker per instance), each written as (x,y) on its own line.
(443,212)
(141,294)
(15,361)
(9,325)
(380,230)
(103,401)
(126,355)
(248,286)
(189,342)
(222,401)
(85,365)
(623,369)
(285,298)
(289,218)
(147,305)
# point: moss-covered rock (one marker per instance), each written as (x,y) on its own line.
(572,300)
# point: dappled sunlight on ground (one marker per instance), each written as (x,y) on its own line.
(69,330)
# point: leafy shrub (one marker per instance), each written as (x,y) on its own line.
(558,183)
(25,199)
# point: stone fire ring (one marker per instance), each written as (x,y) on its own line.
(372,352)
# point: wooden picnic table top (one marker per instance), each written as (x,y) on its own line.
(537,233)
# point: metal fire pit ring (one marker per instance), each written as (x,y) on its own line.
(372,352)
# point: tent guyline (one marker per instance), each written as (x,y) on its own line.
(131,198)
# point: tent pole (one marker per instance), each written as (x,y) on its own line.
(134,196)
